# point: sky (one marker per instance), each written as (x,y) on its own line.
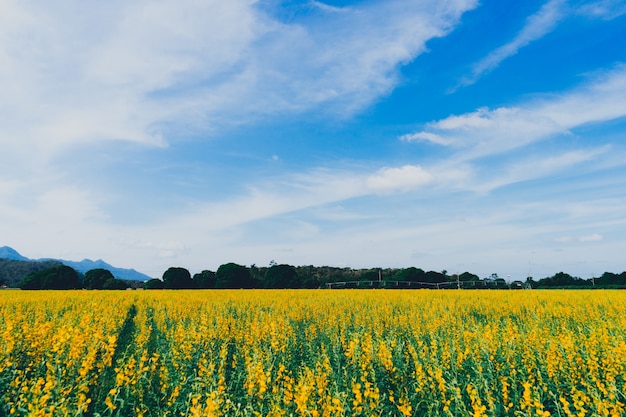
(454,135)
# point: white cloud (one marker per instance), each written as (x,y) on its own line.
(534,167)
(404,178)
(328,8)
(424,137)
(165,249)
(295,193)
(596,237)
(488,132)
(146,71)
(535,27)
(86,73)
(603,9)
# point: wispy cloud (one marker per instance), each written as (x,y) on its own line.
(404,178)
(150,72)
(537,167)
(328,8)
(535,27)
(487,132)
(424,137)
(596,237)
(311,189)
(603,9)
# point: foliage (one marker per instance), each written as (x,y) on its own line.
(232,275)
(411,274)
(282,276)
(204,279)
(57,278)
(177,278)
(115,284)
(467,276)
(96,278)
(153,284)
(564,280)
(313,353)
(435,277)
(14,271)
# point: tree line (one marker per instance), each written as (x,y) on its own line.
(607,280)
(13,271)
(64,277)
(278,276)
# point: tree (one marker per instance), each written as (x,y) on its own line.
(281,276)
(257,274)
(435,277)
(153,284)
(468,276)
(370,275)
(12,272)
(500,282)
(411,274)
(204,279)
(309,276)
(57,278)
(95,278)
(114,284)
(177,278)
(562,279)
(232,275)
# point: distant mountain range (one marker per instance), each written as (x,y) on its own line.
(83,266)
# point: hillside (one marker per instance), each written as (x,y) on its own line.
(10,253)
(10,271)
(13,271)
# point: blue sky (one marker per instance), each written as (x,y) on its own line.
(447,134)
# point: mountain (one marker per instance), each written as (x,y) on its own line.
(82,266)
(121,273)
(10,253)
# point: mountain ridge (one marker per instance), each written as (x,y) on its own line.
(7,252)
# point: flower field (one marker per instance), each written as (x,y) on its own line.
(313,353)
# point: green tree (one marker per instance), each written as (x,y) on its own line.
(561,279)
(57,278)
(115,284)
(467,276)
(177,278)
(95,278)
(204,279)
(12,272)
(153,284)
(411,274)
(369,274)
(281,276)
(232,275)
(435,277)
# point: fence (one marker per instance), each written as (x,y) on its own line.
(425,285)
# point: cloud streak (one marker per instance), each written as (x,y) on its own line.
(149,72)
(405,178)
(535,27)
(486,132)
(603,9)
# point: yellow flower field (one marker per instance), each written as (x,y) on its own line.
(313,353)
